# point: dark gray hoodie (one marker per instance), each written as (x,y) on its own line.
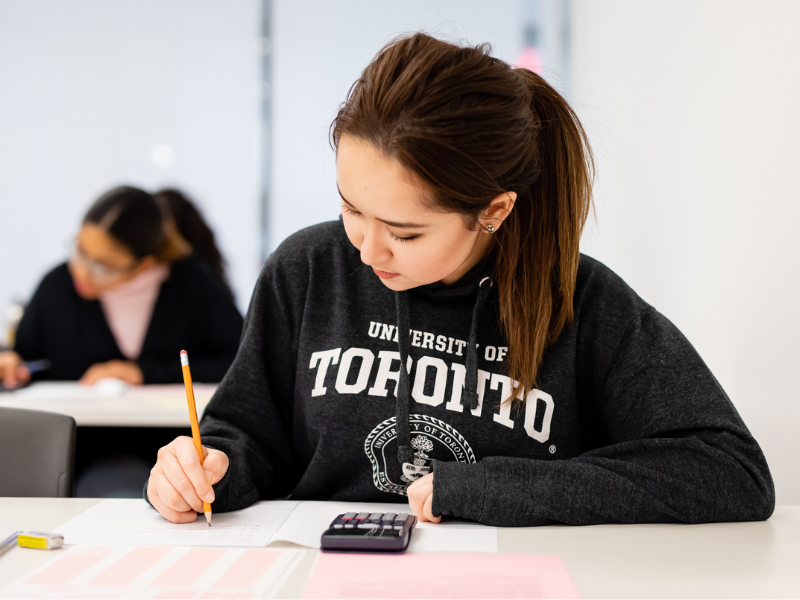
(626,424)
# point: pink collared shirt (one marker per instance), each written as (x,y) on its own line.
(128,308)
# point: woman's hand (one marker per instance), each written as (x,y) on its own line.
(118,369)
(179,484)
(12,371)
(420,498)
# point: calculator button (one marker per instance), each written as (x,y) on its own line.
(361,516)
(389,527)
(401,517)
(389,516)
(348,516)
(398,527)
(368,525)
(338,526)
(349,526)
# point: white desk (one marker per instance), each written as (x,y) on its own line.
(115,405)
(738,560)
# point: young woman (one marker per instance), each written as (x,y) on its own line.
(447,341)
(145,279)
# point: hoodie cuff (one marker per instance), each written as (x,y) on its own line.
(458,489)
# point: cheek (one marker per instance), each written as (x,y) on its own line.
(353,231)
(432,260)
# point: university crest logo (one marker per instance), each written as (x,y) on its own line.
(431,439)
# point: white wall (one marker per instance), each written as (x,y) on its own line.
(693,110)
(88,87)
(319,50)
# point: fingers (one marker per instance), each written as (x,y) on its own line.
(11,371)
(22,373)
(185,496)
(420,498)
(215,465)
(420,495)
(426,509)
(91,376)
(165,511)
(190,467)
(179,484)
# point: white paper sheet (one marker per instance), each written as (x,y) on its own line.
(309,519)
(159,572)
(133,522)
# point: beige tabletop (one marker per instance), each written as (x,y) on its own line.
(731,560)
(112,403)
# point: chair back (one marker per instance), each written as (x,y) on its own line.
(37,453)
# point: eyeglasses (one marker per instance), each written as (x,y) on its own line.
(97,270)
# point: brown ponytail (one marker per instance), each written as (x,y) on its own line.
(471,128)
(539,243)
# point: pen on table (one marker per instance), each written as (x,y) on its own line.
(33,367)
(9,542)
(187,381)
(37,366)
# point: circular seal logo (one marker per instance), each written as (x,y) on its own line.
(430,438)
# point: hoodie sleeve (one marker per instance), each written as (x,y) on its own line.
(250,415)
(677,451)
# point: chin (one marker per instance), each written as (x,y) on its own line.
(398,286)
(86,294)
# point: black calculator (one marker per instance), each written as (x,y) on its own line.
(369,532)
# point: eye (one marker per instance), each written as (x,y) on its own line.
(403,239)
(350,211)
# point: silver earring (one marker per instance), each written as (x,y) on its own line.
(490,229)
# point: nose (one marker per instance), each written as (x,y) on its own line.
(79,270)
(373,250)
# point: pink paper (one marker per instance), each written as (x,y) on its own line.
(189,567)
(464,575)
(248,569)
(68,567)
(129,568)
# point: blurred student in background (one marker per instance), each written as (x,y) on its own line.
(145,280)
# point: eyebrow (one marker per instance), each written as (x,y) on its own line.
(390,223)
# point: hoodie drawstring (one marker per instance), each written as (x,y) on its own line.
(469,395)
(405,453)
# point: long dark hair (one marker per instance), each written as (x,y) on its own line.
(194,229)
(166,225)
(471,127)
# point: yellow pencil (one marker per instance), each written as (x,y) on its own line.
(187,381)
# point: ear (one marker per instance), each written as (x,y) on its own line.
(498,210)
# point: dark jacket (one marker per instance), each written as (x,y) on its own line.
(194,311)
(626,423)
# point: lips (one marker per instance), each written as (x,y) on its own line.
(384,274)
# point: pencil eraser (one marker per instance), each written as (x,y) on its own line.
(184,358)
(40,541)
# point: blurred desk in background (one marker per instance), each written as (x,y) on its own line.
(112,403)
(115,419)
